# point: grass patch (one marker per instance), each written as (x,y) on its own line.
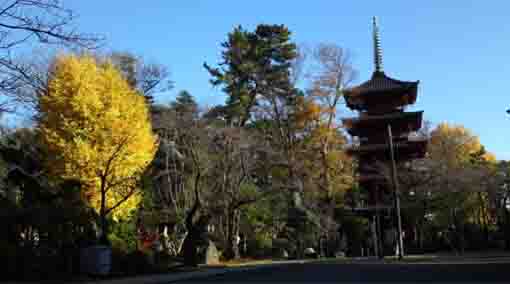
(245,262)
(410,259)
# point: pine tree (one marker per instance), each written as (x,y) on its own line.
(185,104)
(254,64)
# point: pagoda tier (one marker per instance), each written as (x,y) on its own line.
(380,103)
(406,150)
(401,122)
(381,94)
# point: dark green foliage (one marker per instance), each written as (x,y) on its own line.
(261,221)
(44,221)
(123,235)
(357,233)
(253,64)
(132,263)
(185,104)
(302,230)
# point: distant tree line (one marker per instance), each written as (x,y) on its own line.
(265,174)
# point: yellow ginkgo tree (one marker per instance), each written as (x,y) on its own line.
(96,129)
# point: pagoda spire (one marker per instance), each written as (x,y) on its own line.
(377,47)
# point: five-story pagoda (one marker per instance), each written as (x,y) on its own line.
(381,103)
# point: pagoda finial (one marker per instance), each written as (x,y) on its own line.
(377,47)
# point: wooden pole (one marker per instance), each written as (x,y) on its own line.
(396,196)
(378,226)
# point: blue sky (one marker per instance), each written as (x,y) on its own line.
(458,49)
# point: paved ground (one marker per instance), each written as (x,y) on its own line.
(369,272)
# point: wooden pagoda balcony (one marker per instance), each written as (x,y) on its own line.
(411,149)
(401,122)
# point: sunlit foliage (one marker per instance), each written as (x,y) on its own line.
(96,129)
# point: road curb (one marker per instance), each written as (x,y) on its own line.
(207,272)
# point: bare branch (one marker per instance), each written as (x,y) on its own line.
(33,24)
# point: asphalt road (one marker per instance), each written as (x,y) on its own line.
(368,273)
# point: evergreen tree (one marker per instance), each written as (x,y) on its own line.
(255,64)
(185,104)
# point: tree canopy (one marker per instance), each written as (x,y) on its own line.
(96,129)
(254,64)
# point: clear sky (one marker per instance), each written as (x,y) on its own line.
(458,49)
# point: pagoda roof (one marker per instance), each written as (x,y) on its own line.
(380,82)
(401,122)
(379,90)
(410,149)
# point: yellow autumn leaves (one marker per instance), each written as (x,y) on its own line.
(325,160)
(454,144)
(96,129)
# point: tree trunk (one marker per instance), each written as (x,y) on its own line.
(459,232)
(189,249)
(507,229)
(420,238)
(486,230)
(196,242)
(330,226)
(232,248)
(191,242)
(484,220)
(462,238)
(104,229)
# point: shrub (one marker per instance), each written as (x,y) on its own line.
(119,244)
(8,260)
(133,263)
(260,247)
(139,262)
